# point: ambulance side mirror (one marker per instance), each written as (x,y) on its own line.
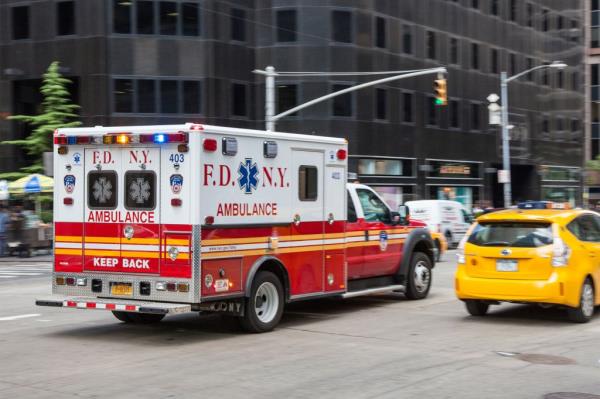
(404,214)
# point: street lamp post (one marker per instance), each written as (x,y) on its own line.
(504,80)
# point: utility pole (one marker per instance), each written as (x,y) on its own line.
(270,97)
(505,141)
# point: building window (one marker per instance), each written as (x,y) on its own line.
(545,77)
(123,95)
(407,39)
(454,51)
(545,126)
(190,19)
(474,56)
(595,87)
(407,107)
(238,93)
(20,23)
(512,63)
(121,16)
(454,110)
(65,12)
(287,98)
(145,17)
(238,25)
(560,23)
(513,10)
(574,130)
(475,4)
(380,32)
(431,110)
(529,11)
(192,97)
(595,25)
(169,97)
(381,103)
(341,26)
(146,94)
(494,7)
(529,76)
(342,105)
(168,18)
(494,61)
(286,26)
(545,20)
(575,81)
(475,116)
(560,79)
(430,43)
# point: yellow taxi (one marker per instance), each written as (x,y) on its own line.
(441,245)
(544,256)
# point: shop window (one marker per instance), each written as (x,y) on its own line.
(465,195)
(238,25)
(169,97)
(121,16)
(430,44)
(341,26)
(380,167)
(123,95)
(65,12)
(20,22)
(392,195)
(146,94)
(342,105)
(407,107)
(286,26)
(168,17)
(307,183)
(239,102)
(381,104)
(407,39)
(287,98)
(192,97)
(380,32)
(190,18)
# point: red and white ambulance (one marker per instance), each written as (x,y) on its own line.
(156,220)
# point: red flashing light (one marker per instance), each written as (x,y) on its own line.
(341,154)
(61,140)
(210,145)
(68,201)
(84,139)
(176,201)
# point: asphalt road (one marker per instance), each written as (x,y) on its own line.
(372,347)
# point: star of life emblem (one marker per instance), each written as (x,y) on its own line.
(102,190)
(248,176)
(139,190)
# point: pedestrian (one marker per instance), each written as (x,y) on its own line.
(4,219)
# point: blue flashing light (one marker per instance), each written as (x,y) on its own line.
(160,138)
(71,140)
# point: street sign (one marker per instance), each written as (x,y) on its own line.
(503,176)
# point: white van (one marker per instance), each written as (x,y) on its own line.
(447,217)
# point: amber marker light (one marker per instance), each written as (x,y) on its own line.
(122,139)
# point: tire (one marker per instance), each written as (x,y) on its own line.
(438,253)
(449,240)
(264,308)
(418,280)
(584,312)
(138,318)
(477,308)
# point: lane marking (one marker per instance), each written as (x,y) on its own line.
(21,316)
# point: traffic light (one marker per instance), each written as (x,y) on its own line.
(441,91)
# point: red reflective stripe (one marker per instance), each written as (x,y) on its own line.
(90,305)
(71,304)
(110,306)
(130,307)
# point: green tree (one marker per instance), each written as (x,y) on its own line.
(594,164)
(57,111)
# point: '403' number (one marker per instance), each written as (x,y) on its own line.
(176,158)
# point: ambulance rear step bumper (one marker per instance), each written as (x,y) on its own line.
(120,305)
(377,290)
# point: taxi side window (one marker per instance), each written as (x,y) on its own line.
(351,210)
(374,209)
(585,228)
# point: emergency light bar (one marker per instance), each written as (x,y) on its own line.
(123,138)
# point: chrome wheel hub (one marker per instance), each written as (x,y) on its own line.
(266,302)
(587,300)
(422,276)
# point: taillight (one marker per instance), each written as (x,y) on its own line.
(560,250)
(209,145)
(460,250)
(341,154)
(61,140)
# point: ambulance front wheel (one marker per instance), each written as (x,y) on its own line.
(264,307)
(419,276)
(138,318)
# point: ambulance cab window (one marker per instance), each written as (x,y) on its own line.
(351,210)
(140,190)
(102,189)
(374,209)
(307,183)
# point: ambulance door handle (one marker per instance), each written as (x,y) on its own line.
(296,219)
(330,218)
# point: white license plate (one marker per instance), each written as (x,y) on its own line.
(506,265)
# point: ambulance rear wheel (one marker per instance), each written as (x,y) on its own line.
(138,318)
(122,316)
(264,308)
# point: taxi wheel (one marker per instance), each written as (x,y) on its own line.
(584,312)
(477,308)
(438,251)
(419,276)
(264,308)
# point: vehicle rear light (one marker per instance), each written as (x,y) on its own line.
(179,137)
(68,201)
(560,251)
(81,282)
(171,287)
(61,140)
(70,280)
(62,150)
(123,139)
(209,145)
(96,285)
(84,140)
(161,286)
(108,139)
(60,281)
(71,140)
(341,154)
(182,148)
(209,220)
(181,287)
(176,201)
(145,288)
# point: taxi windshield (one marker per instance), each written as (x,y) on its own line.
(511,234)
